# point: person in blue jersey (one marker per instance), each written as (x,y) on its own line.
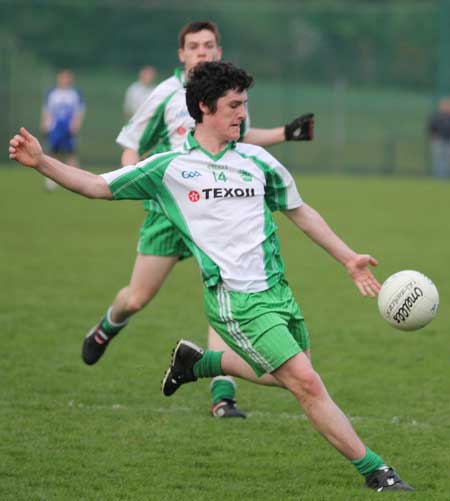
(61,119)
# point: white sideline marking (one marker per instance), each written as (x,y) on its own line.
(394,420)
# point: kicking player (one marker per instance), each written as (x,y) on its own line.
(162,124)
(61,119)
(228,226)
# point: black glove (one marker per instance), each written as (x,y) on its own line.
(300,129)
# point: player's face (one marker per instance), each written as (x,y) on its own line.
(147,75)
(230,113)
(198,48)
(65,79)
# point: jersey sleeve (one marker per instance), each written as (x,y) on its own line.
(281,191)
(144,131)
(142,181)
(130,183)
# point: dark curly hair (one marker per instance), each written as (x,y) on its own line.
(209,81)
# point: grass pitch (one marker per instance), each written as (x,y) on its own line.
(68,431)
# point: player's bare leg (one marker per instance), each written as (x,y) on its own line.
(233,365)
(300,378)
(148,275)
(189,362)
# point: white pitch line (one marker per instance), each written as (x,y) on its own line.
(287,416)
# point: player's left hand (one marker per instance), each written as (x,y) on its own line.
(25,148)
(358,268)
(300,129)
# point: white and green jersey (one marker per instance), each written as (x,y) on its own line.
(222,205)
(162,122)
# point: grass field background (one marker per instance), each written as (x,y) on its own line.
(68,431)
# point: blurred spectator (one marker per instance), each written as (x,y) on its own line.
(138,91)
(61,119)
(439,130)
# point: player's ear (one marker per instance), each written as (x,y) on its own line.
(204,108)
(181,55)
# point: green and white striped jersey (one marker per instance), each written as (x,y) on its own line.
(162,122)
(222,205)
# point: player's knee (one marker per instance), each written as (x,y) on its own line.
(136,300)
(307,384)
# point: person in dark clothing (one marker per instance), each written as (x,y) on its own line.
(439,131)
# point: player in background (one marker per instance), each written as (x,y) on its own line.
(246,297)
(61,119)
(138,91)
(162,124)
(439,133)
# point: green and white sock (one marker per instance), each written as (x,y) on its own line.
(111,328)
(209,364)
(223,388)
(369,463)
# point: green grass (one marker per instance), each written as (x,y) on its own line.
(71,432)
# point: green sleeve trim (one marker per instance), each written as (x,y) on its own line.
(143,182)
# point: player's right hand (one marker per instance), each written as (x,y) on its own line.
(25,149)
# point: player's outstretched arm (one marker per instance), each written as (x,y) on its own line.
(264,137)
(300,129)
(357,265)
(26,149)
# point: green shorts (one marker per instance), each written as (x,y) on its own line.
(159,237)
(264,328)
